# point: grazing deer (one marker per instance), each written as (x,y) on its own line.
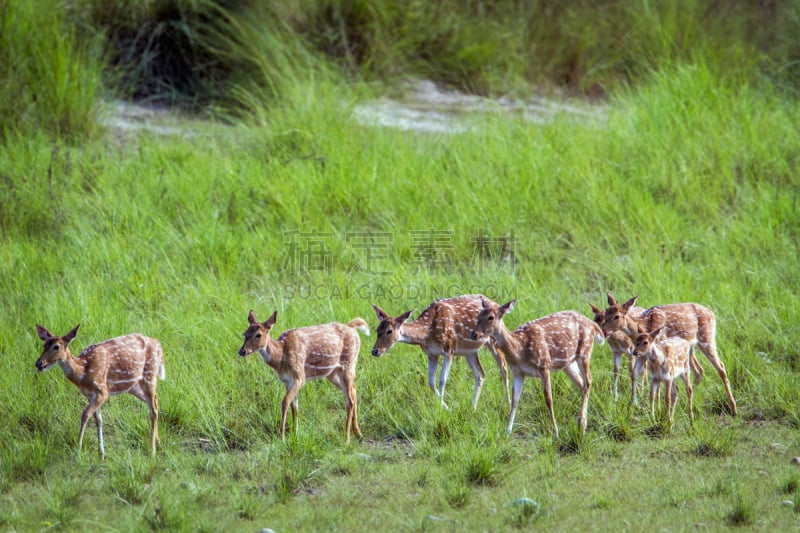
(443,328)
(131,363)
(667,360)
(313,352)
(690,321)
(561,341)
(619,343)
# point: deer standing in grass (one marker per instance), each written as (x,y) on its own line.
(313,352)
(131,363)
(667,360)
(689,321)
(561,341)
(620,344)
(443,328)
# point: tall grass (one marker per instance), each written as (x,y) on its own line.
(51,77)
(686,192)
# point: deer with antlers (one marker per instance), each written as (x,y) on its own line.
(561,341)
(667,360)
(323,351)
(692,322)
(442,329)
(131,363)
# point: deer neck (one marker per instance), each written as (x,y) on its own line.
(272,353)
(507,341)
(414,332)
(74,367)
(657,355)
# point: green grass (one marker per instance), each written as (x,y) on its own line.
(686,192)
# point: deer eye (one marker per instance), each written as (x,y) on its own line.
(258,335)
(389,331)
(490,317)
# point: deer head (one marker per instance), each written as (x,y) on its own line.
(615,316)
(55,348)
(489,318)
(645,341)
(388,331)
(257,334)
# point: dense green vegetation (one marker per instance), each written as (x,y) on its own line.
(687,191)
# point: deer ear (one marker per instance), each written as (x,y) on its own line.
(596,310)
(505,308)
(611,301)
(271,320)
(402,318)
(380,313)
(659,333)
(43,333)
(485,302)
(71,335)
(251,317)
(630,303)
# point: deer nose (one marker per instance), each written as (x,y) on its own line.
(241,352)
(39,365)
(474,335)
(375,352)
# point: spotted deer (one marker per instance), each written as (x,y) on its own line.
(443,328)
(131,363)
(667,361)
(313,352)
(561,341)
(690,321)
(620,344)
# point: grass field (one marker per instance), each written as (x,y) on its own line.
(687,191)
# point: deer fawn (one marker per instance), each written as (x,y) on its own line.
(443,328)
(619,343)
(131,363)
(313,352)
(690,321)
(561,341)
(667,360)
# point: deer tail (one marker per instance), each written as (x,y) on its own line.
(162,373)
(360,324)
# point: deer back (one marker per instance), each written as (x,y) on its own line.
(557,340)
(319,350)
(451,322)
(122,362)
(684,320)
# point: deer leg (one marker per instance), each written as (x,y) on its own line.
(654,385)
(690,394)
(147,393)
(480,376)
(670,399)
(636,368)
(617,361)
(95,401)
(575,374)
(98,420)
(501,362)
(710,351)
(433,364)
(548,398)
(289,400)
(447,362)
(516,391)
(696,367)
